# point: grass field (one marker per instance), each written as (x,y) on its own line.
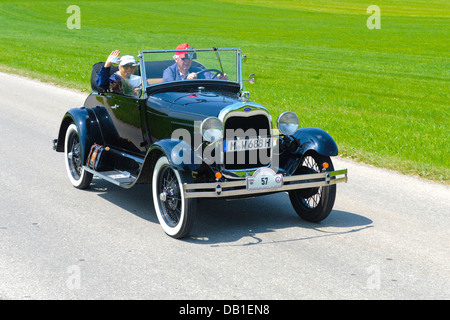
(383,94)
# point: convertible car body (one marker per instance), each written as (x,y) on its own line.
(193,139)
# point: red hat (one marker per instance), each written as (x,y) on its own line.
(180,47)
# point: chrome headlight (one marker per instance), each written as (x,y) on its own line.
(287,123)
(211,129)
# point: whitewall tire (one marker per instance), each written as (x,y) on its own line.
(175,213)
(74,159)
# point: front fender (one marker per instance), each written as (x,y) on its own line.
(315,139)
(88,129)
(178,152)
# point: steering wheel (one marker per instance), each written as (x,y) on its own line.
(217,72)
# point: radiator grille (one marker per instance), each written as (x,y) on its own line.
(248,127)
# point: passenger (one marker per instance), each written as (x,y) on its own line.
(124,81)
(182,69)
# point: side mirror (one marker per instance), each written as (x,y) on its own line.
(251,78)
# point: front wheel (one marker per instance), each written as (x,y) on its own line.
(175,213)
(313,204)
(74,159)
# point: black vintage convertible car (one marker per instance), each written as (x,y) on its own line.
(192,139)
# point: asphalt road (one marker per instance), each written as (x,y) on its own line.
(387,237)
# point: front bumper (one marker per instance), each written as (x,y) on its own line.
(239,188)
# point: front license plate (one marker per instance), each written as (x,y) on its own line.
(247,144)
(264,178)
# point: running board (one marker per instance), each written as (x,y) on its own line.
(120,178)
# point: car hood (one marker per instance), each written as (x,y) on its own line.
(196,106)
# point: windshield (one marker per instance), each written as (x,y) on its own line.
(162,66)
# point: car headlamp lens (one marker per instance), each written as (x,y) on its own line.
(211,129)
(287,123)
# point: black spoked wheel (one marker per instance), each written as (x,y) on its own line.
(74,159)
(175,212)
(313,204)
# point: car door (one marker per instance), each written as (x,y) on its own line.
(125,114)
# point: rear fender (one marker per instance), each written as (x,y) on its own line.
(88,129)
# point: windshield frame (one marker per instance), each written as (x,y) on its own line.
(145,84)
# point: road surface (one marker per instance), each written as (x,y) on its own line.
(387,237)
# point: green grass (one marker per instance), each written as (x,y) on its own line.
(382,94)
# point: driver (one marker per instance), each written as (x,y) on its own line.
(182,69)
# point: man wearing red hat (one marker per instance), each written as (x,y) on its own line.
(182,70)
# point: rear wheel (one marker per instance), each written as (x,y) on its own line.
(74,159)
(313,204)
(175,212)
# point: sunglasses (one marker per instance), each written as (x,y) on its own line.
(128,66)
